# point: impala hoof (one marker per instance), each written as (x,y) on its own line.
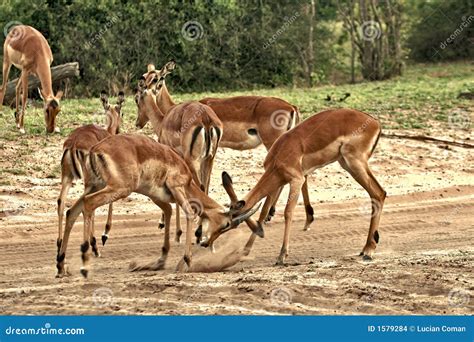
(22,131)
(367,258)
(161,225)
(84,272)
(57,130)
(104,239)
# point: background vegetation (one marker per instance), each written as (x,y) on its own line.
(228,44)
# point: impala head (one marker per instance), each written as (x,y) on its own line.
(51,110)
(214,224)
(144,99)
(149,89)
(113,113)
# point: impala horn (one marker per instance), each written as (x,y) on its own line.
(244,216)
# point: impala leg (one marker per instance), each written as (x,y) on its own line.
(359,169)
(24,98)
(161,224)
(295,188)
(108,225)
(17,103)
(179,231)
(271,211)
(6,70)
(179,196)
(71,217)
(93,240)
(307,204)
(91,203)
(66,183)
(160,264)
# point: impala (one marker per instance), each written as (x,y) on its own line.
(343,135)
(249,121)
(122,164)
(75,151)
(28,50)
(191,128)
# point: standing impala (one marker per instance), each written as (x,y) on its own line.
(343,135)
(28,50)
(249,121)
(122,164)
(191,128)
(75,151)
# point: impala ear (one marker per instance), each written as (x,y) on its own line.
(150,67)
(105,100)
(59,95)
(120,101)
(168,68)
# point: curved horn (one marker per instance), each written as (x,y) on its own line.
(242,217)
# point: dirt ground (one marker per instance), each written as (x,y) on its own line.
(423,263)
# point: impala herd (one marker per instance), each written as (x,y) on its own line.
(177,167)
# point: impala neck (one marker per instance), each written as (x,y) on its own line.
(44,74)
(194,192)
(267,184)
(164,100)
(154,114)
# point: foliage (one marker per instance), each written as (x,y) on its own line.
(442,30)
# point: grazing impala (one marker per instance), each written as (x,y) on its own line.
(122,164)
(343,135)
(28,50)
(75,151)
(249,121)
(191,128)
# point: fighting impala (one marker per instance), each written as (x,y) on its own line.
(249,121)
(75,150)
(28,50)
(122,164)
(343,135)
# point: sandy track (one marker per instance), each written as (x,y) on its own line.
(426,252)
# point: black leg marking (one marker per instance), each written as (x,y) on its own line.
(84,272)
(104,239)
(309,213)
(60,257)
(164,250)
(187,260)
(59,202)
(376,236)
